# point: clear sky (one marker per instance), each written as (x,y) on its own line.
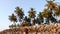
(7,7)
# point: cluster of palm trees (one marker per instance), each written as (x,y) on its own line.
(52,10)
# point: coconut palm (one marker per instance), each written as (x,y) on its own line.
(49,16)
(19,13)
(32,13)
(52,6)
(52,19)
(26,19)
(34,21)
(13,19)
(40,18)
(46,14)
(37,20)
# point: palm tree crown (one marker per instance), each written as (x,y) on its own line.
(19,12)
(13,18)
(32,13)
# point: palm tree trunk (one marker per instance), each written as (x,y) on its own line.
(32,20)
(14,23)
(20,20)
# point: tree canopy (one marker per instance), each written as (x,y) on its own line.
(53,9)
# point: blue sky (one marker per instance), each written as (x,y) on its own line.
(7,7)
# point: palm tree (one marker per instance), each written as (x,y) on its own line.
(52,6)
(26,19)
(13,19)
(32,15)
(47,15)
(34,21)
(19,13)
(52,19)
(26,22)
(40,18)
